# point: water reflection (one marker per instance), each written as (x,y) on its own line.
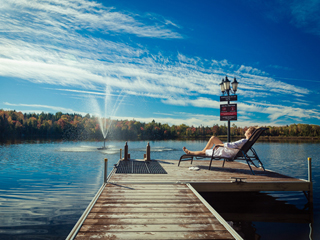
(46,185)
(44,190)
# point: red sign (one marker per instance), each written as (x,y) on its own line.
(228,112)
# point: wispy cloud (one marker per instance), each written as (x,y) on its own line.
(57,43)
(273,111)
(182,118)
(77,15)
(276,111)
(39,106)
(198,120)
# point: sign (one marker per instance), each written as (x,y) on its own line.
(228,98)
(228,112)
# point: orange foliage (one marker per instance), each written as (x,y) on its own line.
(61,123)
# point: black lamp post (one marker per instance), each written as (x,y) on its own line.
(225,87)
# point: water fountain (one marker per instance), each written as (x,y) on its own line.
(104,145)
(108,111)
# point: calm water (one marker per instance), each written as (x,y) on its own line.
(45,186)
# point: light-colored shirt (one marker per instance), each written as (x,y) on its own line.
(229,150)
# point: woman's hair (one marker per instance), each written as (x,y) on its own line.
(251,129)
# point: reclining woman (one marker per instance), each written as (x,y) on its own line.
(220,149)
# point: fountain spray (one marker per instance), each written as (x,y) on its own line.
(102,115)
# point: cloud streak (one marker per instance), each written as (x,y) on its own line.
(64,17)
(58,43)
(274,111)
(40,106)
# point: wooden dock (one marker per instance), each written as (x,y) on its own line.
(168,206)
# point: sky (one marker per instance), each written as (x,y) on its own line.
(162,60)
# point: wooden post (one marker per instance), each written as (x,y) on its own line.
(310,198)
(309,170)
(105,169)
(120,153)
(126,151)
(310,181)
(148,152)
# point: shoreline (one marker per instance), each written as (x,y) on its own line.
(205,138)
(260,138)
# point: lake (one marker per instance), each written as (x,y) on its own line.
(46,186)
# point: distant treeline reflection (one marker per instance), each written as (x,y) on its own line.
(76,127)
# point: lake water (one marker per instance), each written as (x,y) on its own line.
(46,185)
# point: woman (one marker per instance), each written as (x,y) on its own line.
(227,150)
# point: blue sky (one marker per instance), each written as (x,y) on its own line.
(162,60)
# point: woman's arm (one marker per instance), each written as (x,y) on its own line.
(217,146)
(237,144)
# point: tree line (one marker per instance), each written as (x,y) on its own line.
(77,127)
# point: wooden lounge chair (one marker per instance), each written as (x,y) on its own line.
(243,154)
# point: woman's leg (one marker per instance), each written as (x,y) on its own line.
(212,141)
(196,153)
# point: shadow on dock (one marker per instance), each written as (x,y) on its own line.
(252,213)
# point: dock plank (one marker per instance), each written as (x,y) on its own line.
(172,219)
(217,179)
(152,227)
(147,215)
(153,209)
(155,235)
(162,206)
(147,205)
(132,214)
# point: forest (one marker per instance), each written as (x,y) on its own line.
(76,127)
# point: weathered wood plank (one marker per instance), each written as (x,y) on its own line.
(142,210)
(138,191)
(139,199)
(148,195)
(158,215)
(148,205)
(114,200)
(183,174)
(193,219)
(155,235)
(161,206)
(158,186)
(152,228)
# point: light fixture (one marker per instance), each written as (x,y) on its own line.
(226,84)
(234,85)
(222,86)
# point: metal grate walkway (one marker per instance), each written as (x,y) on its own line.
(140,167)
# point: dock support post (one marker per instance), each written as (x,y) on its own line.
(309,170)
(147,155)
(120,153)
(126,151)
(105,169)
(310,180)
(310,195)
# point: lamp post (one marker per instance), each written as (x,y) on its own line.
(228,112)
